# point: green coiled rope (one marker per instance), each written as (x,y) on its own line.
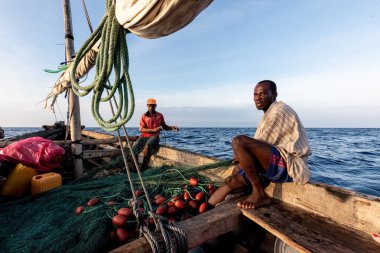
(112,57)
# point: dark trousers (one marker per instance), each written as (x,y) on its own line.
(151,142)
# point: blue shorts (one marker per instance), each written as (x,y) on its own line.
(277,171)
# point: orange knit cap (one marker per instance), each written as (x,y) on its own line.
(151,101)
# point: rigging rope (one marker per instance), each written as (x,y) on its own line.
(164,228)
(112,58)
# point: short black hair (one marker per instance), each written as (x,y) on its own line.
(272,85)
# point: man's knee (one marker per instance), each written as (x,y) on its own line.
(240,141)
(243,141)
(153,140)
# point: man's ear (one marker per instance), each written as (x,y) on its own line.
(274,95)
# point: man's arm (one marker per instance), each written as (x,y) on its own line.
(167,127)
(148,130)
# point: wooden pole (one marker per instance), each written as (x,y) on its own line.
(113,140)
(74,108)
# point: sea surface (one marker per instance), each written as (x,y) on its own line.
(343,157)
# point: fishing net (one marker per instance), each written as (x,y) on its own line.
(47,222)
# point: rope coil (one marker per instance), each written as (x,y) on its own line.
(111,59)
(168,232)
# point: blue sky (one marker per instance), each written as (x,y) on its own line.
(324,56)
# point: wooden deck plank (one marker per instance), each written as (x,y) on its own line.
(188,158)
(100,153)
(308,232)
(358,211)
(88,141)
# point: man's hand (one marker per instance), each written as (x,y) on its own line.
(175,128)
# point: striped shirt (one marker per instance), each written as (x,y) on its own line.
(281,127)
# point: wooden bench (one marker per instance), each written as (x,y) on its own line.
(331,220)
(308,232)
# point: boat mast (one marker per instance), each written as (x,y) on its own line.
(74,108)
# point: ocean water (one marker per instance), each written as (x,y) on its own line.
(345,157)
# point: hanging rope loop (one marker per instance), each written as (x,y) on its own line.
(111,59)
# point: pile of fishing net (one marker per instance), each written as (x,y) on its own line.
(77,217)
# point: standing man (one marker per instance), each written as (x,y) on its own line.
(151,123)
(278,151)
(1,133)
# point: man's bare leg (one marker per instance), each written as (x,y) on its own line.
(252,155)
(232,182)
(146,157)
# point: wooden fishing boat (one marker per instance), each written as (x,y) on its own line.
(311,218)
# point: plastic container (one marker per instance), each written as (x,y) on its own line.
(45,182)
(18,181)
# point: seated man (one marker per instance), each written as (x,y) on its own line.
(151,123)
(278,151)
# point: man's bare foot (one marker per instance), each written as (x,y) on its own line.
(253,202)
